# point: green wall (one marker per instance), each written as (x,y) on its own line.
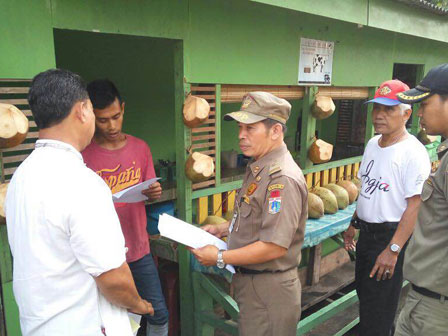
(143,70)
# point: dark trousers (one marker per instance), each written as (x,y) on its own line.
(146,277)
(378,300)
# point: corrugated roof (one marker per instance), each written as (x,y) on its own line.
(426,5)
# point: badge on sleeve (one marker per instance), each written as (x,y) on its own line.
(275,204)
(276,186)
(251,189)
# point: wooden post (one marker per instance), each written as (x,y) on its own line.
(218,135)
(369,121)
(183,192)
(313,271)
(308,127)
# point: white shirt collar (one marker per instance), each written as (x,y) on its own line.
(59,145)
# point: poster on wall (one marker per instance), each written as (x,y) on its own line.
(316,62)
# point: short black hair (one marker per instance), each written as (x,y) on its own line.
(102,93)
(52,95)
(443,97)
(269,123)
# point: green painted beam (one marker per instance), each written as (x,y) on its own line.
(228,326)
(326,313)
(216,190)
(219,295)
(218,135)
(308,127)
(183,191)
(347,328)
(332,164)
(202,303)
(11,311)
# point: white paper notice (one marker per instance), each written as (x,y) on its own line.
(133,194)
(189,235)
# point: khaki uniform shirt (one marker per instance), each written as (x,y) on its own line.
(272,206)
(426,258)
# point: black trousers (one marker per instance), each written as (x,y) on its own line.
(378,300)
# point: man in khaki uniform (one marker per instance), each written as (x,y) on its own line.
(266,233)
(426,260)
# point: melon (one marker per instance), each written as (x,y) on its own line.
(320,151)
(315,206)
(323,107)
(340,193)
(328,198)
(199,167)
(351,189)
(214,220)
(3,190)
(13,126)
(196,111)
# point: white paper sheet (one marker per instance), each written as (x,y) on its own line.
(134,319)
(189,235)
(133,194)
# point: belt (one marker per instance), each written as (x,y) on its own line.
(243,270)
(429,293)
(374,227)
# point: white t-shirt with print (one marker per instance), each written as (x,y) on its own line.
(389,176)
(63,231)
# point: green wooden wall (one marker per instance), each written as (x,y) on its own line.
(232,41)
(143,70)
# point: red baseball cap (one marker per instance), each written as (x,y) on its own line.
(387,92)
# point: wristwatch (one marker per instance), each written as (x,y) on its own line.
(220,261)
(395,248)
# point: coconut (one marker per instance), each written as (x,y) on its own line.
(320,151)
(199,167)
(196,111)
(328,198)
(351,189)
(340,193)
(323,107)
(213,220)
(3,190)
(315,206)
(13,126)
(357,183)
(228,215)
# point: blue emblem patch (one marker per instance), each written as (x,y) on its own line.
(275,205)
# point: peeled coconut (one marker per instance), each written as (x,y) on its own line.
(315,206)
(196,111)
(323,107)
(214,220)
(199,167)
(13,126)
(3,190)
(328,198)
(340,193)
(320,151)
(351,189)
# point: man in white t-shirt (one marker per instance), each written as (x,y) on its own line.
(70,272)
(393,169)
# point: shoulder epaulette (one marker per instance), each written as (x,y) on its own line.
(274,168)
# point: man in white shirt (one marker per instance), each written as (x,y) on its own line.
(393,169)
(70,274)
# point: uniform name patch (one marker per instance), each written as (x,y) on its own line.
(251,189)
(276,186)
(275,204)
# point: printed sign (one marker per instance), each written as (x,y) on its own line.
(316,62)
